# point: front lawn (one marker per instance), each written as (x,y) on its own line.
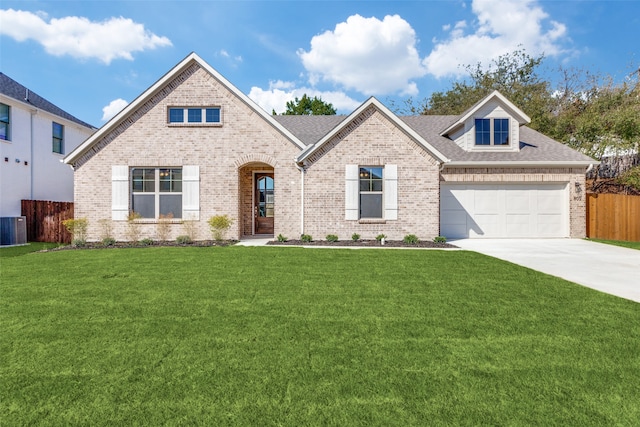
(291,336)
(624,244)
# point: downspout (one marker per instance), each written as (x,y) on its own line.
(302,172)
(31,143)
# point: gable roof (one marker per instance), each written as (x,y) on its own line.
(535,148)
(15,90)
(188,61)
(372,102)
(514,111)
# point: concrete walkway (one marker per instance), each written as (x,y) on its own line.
(606,268)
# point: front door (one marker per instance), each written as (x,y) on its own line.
(264,203)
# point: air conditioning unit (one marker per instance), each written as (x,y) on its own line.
(13,230)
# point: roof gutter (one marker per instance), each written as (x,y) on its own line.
(518,164)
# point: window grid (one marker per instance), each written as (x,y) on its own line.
(194,115)
(156,192)
(492,132)
(371,192)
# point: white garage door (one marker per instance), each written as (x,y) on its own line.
(505,210)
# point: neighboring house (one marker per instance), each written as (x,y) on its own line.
(35,135)
(193,146)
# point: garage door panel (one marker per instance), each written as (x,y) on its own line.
(504,210)
(486,201)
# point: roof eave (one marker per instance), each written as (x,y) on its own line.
(521,163)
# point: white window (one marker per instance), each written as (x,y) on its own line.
(127,196)
(371,192)
(156,192)
(194,116)
(492,132)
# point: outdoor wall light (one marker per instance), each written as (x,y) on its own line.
(578,187)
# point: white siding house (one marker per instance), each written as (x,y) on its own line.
(35,135)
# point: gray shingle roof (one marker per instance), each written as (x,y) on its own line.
(15,90)
(534,146)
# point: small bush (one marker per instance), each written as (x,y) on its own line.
(183,240)
(189,227)
(306,238)
(108,241)
(440,239)
(78,230)
(133,227)
(355,237)
(146,242)
(219,225)
(411,239)
(163,226)
(379,237)
(106,226)
(332,238)
(78,242)
(282,238)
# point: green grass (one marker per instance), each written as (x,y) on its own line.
(624,244)
(293,336)
(11,251)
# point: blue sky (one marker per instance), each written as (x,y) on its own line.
(91,57)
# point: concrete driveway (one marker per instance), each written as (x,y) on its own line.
(606,268)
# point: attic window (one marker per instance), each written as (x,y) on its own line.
(190,116)
(492,132)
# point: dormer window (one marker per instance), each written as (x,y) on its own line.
(492,132)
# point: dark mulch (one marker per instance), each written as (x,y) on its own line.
(366,243)
(120,245)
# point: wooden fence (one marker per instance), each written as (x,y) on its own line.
(44,220)
(613,216)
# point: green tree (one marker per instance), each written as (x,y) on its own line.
(515,75)
(309,107)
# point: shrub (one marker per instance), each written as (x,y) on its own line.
(78,230)
(183,240)
(332,238)
(379,237)
(440,239)
(219,225)
(282,238)
(147,242)
(189,227)
(306,238)
(108,241)
(411,239)
(163,226)
(107,231)
(133,227)
(630,178)
(355,237)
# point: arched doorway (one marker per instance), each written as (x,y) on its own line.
(257,199)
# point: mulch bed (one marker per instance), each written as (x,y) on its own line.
(365,243)
(165,243)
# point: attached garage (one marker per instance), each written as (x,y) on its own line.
(504,210)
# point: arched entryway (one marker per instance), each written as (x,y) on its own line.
(257,199)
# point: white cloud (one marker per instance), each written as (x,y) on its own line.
(502,26)
(367,55)
(79,37)
(279,93)
(113,108)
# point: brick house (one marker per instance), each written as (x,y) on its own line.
(193,146)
